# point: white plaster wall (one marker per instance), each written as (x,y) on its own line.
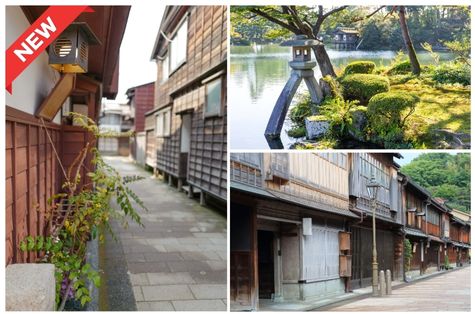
(32,86)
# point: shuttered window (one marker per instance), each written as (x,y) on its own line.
(321,254)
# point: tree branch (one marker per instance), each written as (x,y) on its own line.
(369,15)
(285,25)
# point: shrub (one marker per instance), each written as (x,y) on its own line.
(361,67)
(339,112)
(363,86)
(297,131)
(452,73)
(334,88)
(402,67)
(387,115)
(301,110)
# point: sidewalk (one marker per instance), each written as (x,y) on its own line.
(178,261)
(318,304)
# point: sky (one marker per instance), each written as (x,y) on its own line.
(136,49)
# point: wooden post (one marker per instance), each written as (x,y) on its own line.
(190,191)
(170,182)
(388,282)
(179,184)
(202,198)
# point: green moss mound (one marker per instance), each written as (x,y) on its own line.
(402,67)
(363,86)
(387,114)
(360,67)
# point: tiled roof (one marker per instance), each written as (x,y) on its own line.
(415,232)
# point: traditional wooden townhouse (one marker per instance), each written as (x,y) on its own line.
(190,111)
(289,227)
(389,215)
(459,245)
(38,129)
(140,100)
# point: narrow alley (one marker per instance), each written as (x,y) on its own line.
(176,262)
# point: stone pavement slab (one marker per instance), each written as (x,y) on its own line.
(447,292)
(178,261)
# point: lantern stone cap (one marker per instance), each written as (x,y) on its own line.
(300,41)
(91,38)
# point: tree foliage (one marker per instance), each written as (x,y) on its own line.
(444,175)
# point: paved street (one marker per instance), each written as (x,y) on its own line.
(447,292)
(178,261)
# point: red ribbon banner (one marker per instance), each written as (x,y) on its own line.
(37,37)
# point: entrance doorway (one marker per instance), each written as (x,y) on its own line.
(265,245)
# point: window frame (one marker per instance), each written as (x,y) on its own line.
(180,63)
(218,76)
(165,61)
(164,130)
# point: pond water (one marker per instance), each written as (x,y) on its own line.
(257,76)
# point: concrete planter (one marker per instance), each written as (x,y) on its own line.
(316,126)
(30,287)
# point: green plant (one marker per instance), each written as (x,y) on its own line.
(297,131)
(428,47)
(402,67)
(363,86)
(452,73)
(446,262)
(387,115)
(338,111)
(335,88)
(301,110)
(84,211)
(407,253)
(363,67)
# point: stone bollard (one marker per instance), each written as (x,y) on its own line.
(382,285)
(388,282)
(30,287)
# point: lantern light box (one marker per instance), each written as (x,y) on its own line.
(69,52)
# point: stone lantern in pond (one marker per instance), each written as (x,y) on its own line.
(302,69)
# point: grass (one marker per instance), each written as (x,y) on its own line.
(440,107)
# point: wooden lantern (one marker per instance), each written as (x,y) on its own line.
(69,52)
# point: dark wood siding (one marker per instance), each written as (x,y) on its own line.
(32,176)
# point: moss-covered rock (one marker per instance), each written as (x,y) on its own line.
(360,67)
(363,86)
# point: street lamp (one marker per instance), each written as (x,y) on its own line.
(373,187)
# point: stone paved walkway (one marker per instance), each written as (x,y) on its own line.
(447,292)
(178,261)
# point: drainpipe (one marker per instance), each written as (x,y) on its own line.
(404,209)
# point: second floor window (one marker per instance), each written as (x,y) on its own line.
(165,68)
(177,52)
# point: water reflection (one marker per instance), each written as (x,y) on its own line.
(258,74)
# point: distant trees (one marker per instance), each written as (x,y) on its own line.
(444,175)
(435,25)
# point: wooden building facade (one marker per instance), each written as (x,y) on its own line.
(389,234)
(289,227)
(345,38)
(34,145)
(140,99)
(190,110)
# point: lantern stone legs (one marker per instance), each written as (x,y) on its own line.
(300,71)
